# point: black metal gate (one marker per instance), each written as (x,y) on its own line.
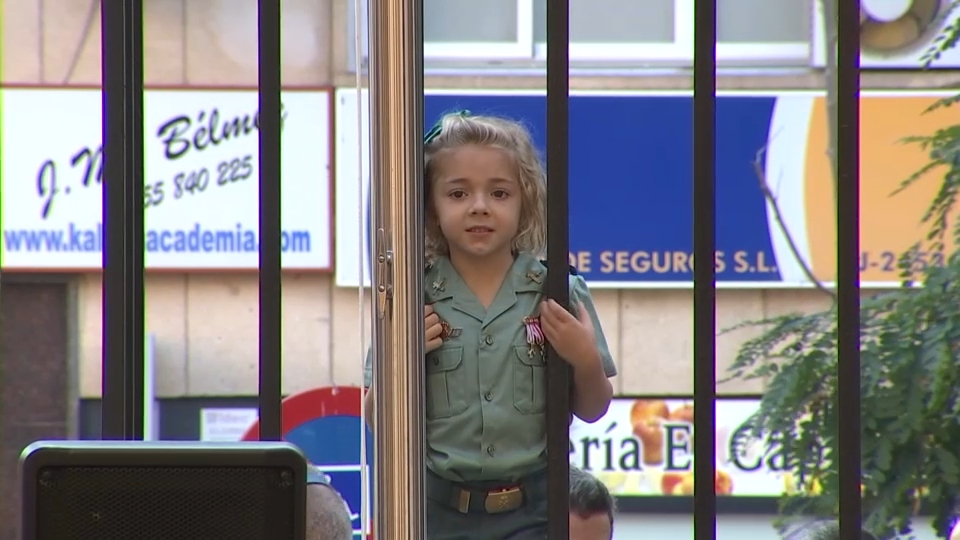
(123,196)
(123,256)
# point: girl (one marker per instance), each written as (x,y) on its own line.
(486,320)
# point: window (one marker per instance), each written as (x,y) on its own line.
(639,32)
(649,31)
(764,30)
(487,29)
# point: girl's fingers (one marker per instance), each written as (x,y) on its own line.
(433,332)
(549,328)
(556,313)
(433,344)
(549,315)
(546,313)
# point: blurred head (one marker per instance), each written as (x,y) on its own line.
(485,188)
(591,507)
(328,517)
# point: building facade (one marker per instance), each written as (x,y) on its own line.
(204,319)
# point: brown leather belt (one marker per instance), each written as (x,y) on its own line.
(485,498)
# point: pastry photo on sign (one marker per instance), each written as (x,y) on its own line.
(647,418)
(653,422)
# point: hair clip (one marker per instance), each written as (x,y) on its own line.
(438,127)
(432,134)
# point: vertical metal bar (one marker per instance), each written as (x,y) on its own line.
(268,35)
(557,285)
(704,275)
(133,223)
(113,410)
(122,77)
(396,151)
(848,268)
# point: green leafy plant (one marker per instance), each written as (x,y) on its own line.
(910,374)
(831,531)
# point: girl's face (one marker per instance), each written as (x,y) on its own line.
(477,201)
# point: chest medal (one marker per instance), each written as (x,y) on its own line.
(447,331)
(535,339)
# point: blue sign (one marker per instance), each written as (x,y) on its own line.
(332,444)
(631,182)
(325,423)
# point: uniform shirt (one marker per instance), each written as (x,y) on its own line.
(485,386)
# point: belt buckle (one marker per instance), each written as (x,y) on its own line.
(462,501)
(503,500)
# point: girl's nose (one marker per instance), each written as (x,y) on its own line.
(479,205)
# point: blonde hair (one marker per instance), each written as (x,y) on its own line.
(460,129)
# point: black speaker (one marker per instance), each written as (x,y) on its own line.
(115,490)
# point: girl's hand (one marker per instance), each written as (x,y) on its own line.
(572,337)
(432,329)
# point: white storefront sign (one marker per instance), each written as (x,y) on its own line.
(200,180)
(224,424)
(644,447)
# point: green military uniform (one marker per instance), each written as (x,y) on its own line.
(486,401)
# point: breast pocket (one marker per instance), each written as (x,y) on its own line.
(529,381)
(445,379)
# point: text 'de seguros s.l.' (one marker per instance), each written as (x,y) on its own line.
(669,262)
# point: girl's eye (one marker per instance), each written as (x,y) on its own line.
(500,194)
(458,194)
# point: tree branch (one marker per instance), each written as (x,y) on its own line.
(830,17)
(778,217)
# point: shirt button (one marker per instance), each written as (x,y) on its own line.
(488,396)
(488,340)
(491,450)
